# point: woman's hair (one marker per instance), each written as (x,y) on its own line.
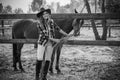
(42,20)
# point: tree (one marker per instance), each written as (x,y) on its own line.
(29,10)
(113,6)
(68,8)
(104,34)
(74,4)
(7,9)
(18,11)
(1,7)
(97,36)
(36,4)
(58,7)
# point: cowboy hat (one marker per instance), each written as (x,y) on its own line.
(43,10)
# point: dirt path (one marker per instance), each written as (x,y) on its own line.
(76,62)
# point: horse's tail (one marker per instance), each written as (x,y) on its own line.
(13,37)
(13,46)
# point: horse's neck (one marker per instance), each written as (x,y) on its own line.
(68,28)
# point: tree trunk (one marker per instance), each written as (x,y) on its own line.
(97,37)
(105,28)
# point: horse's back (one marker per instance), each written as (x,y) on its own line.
(25,29)
(28,28)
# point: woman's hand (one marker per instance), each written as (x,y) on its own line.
(64,39)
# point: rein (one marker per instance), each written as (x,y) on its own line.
(61,42)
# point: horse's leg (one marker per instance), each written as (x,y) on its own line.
(15,57)
(52,60)
(19,47)
(57,59)
(35,45)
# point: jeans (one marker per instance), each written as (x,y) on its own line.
(47,49)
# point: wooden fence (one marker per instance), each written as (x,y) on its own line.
(86,16)
(70,42)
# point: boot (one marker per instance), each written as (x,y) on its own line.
(47,63)
(38,67)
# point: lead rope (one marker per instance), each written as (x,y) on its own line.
(61,42)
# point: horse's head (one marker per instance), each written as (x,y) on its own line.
(77,24)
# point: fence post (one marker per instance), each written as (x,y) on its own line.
(109,29)
(2,23)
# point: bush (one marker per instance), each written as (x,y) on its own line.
(113,6)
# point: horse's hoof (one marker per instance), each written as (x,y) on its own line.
(16,69)
(22,70)
(51,70)
(51,73)
(59,72)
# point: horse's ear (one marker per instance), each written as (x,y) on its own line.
(76,11)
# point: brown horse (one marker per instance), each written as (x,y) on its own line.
(27,29)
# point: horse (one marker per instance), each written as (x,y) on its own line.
(27,29)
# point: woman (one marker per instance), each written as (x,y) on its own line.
(46,27)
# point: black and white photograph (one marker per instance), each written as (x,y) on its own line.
(59,39)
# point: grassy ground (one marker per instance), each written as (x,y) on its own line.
(76,62)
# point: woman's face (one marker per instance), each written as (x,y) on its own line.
(46,15)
